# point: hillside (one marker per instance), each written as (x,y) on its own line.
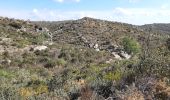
(84,59)
(162,28)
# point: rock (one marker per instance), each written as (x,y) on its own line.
(84,39)
(1,49)
(116,55)
(6,39)
(109,61)
(97,49)
(40,48)
(96,46)
(125,55)
(46,29)
(110,98)
(51,43)
(111,48)
(23,29)
(91,45)
(8,61)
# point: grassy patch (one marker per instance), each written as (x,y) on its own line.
(6,74)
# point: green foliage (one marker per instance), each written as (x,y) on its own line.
(16,24)
(117,75)
(50,64)
(131,46)
(6,74)
(38,39)
(20,43)
(33,75)
(56,82)
(61,62)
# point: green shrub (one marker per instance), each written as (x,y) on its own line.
(61,62)
(5,74)
(16,25)
(50,64)
(38,39)
(102,87)
(131,46)
(20,43)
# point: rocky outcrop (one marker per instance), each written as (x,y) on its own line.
(118,52)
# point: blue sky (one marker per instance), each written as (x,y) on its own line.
(136,12)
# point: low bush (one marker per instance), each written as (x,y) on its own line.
(61,62)
(50,64)
(16,25)
(131,46)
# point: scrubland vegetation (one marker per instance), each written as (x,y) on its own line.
(88,59)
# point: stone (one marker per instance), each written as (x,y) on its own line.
(40,48)
(91,45)
(6,39)
(46,29)
(97,49)
(125,55)
(51,43)
(109,61)
(23,29)
(116,56)
(96,46)
(111,48)
(8,61)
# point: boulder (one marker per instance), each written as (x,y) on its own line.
(40,48)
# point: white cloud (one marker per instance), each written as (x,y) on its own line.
(128,15)
(143,15)
(164,6)
(61,1)
(35,10)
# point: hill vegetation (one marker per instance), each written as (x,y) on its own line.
(85,59)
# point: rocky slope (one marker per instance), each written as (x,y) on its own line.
(84,59)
